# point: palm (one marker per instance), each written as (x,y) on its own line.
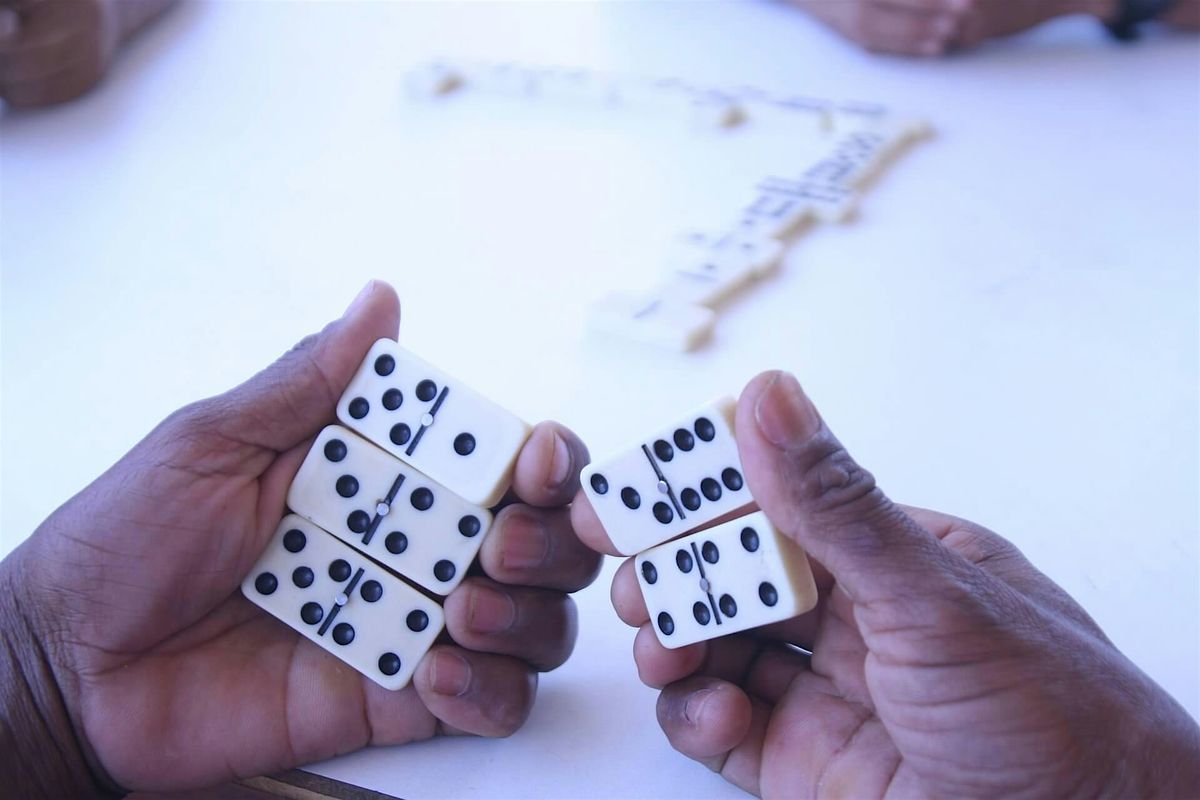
(178,640)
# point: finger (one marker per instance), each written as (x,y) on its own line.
(822,743)
(815,493)
(627,597)
(66,83)
(42,45)
(762,667)
(908,28)
(537,547)
(742,765)
(658,666)
(538,626)
(547,470)
(588,527)
(291,399)
(704,717)
(479,693)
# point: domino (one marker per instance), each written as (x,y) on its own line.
(384,508)
(774,215)
(860,154)
(827,202)
(344,603)
(434,423)
(693,250)
(676,479)
(655,318)
(705,269)
(434,80)
(725,579)
(716,110)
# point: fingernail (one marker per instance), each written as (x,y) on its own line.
(525,543)
(360,299)
(560,463)
(450,674)
(694,706)
(785,416)
(490,611)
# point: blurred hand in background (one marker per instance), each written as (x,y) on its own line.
(52,51)
(937,27)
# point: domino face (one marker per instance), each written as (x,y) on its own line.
(827,201)
(434,423)
(726,579)
(388,510)
(654,319)
(705,268)
(678,478)
(344,602)
(774,215)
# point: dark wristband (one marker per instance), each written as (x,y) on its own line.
(1131,14)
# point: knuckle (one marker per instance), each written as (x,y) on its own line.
(833,484)
(193,421)
(978,545)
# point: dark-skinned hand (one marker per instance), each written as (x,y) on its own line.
(124,616)
(943,664)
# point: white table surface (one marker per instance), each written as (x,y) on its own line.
(1008,333)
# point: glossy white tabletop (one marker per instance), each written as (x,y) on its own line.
(1008,332)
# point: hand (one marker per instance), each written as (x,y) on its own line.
(943,663)
(172,679)
(936,27)
(52,51)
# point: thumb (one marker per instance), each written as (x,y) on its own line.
(291,399)
(814,492)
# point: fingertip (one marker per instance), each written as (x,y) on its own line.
(588,527)
(704,717)
(376,305)
(658,665)
(547,469)
(530,546)
(479,693)
(626,596)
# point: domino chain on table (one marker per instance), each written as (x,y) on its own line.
(706,267)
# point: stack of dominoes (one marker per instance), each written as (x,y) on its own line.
(678,313)
(711,581)
(406,493)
